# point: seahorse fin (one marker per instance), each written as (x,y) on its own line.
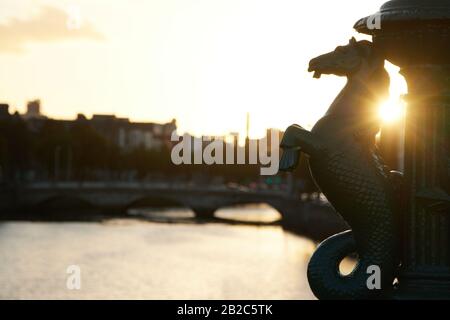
(296,137)
(289,159)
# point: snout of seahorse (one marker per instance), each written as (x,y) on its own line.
(343,61)
(314,67)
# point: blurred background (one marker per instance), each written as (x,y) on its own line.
(90,94)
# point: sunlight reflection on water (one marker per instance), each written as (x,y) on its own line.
(143,260)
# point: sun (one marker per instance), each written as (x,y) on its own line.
(391,110)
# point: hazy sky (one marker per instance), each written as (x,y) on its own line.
(204,62)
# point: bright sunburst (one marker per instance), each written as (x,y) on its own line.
(392,110)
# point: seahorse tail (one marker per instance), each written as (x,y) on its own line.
(324,276)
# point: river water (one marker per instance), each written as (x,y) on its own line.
(137,259)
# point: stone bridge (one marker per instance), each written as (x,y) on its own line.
(310,217)
(120,196)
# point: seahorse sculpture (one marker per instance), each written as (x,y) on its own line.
(344,162)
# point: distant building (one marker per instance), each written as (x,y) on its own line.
(4,111)
(33,110)
(118,131)
(130,135)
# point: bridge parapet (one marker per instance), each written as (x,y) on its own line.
(118,197)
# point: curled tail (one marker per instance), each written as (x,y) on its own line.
(324,276)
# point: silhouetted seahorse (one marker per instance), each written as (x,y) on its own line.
(344,162)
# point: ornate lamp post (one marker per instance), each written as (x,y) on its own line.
(415,35)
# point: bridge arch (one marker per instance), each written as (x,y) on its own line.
(63,204)
(155,202)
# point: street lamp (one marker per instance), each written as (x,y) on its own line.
(415,35)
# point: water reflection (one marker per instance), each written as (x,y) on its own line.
(135,259)
(246,214)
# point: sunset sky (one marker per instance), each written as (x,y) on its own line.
(204,62)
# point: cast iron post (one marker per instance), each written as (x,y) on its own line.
(415,35)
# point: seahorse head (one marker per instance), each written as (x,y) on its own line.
(348,60)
